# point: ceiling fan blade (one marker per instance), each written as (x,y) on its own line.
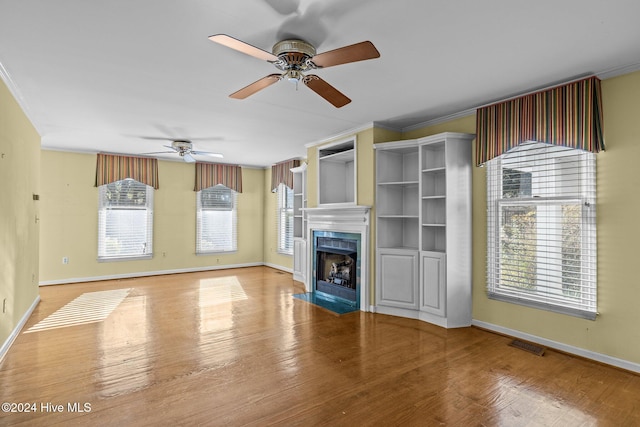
(344,55)
(243,47)
(325,90)
(206,153)
(160,152)
(188,158)
(157,138)
(256,86)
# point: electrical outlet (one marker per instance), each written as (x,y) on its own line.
(65,260)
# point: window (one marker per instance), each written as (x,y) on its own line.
(217,220)
(542,228)
(285,219)
(125,220)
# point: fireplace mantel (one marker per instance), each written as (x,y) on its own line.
(345,214)
(346,219)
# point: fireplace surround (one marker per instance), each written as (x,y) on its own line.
(338,254)
(337,266)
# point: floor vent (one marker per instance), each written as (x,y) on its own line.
(527,346)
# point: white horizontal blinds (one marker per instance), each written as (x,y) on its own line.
(285,219)
(125,220)
(542,228)
(217,220)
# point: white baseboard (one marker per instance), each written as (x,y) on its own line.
(278,267)
(587,354)
(150,273)
(16,331)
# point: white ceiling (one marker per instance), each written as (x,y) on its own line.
(113,75)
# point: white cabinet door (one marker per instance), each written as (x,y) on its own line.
(299,260)
(433,280)
(397,272)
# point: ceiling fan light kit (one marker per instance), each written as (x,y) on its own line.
(294,58)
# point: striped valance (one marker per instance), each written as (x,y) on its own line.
(114,167)
(281,173)
(568,115)
(212,174)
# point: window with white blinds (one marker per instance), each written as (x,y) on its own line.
(285,219)
(125,220)
(216,220)
(541,203)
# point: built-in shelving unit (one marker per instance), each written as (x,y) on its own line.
(423,228)
(300,223)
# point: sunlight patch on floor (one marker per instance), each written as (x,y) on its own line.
(89,307)
(220,290)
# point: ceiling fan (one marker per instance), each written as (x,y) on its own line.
(185,150)
(295,58)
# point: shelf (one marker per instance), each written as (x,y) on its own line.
(434,237)
(434,225)
(434,170)
(397,165)
(434,184)
(441,251)
(398,200)
(433,157)
(400,248)
(398,231)
(400,183)
(434,197)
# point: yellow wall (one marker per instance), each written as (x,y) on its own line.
(70,221)
(616,331)
(19,180)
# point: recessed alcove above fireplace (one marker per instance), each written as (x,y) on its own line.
(338,254)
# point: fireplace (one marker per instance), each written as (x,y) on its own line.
(338,255)
(337,266)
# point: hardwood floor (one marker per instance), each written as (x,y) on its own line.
(234,347)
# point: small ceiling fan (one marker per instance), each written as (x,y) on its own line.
(185,150)
(295,58)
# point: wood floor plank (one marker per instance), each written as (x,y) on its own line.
(233,347)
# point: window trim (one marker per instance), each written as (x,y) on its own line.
(234,232)
(286,194)
(149,208)
(589,235)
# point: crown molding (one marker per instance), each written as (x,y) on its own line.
(618,71)
(93,152)
(347,133)
(438,120)
(17,95)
